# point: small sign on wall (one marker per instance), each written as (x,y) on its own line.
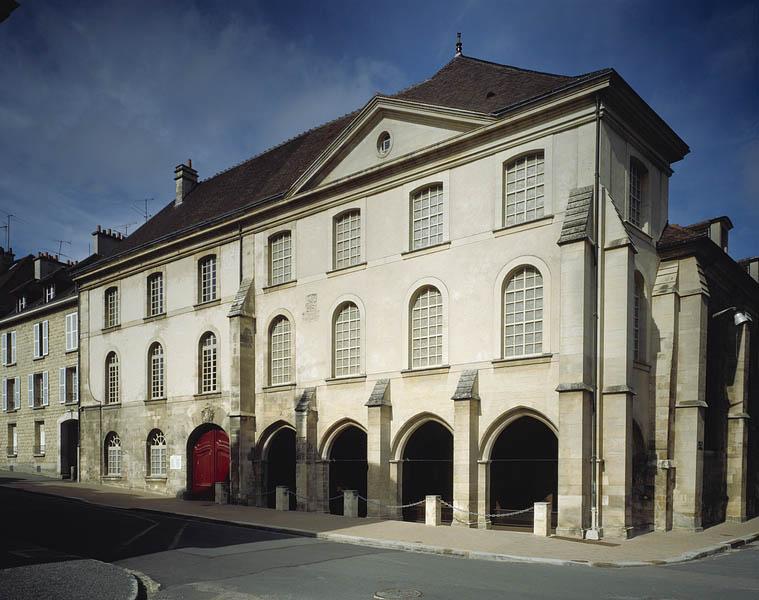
(175,462)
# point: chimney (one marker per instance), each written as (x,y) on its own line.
(6,259)
(752,267)
(44,264)
(186,178)
(718,231)
(105,242)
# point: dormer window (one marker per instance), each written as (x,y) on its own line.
(21,304)
(49,292)
(384,143)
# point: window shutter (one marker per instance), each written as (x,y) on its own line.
(4,347)
(17,393)
(5,394)
(62,385)
(45,388)
(13,346)
(45,331)
(37,340)
(75,384)
(30,395)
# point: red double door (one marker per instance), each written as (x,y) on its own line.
(210,461)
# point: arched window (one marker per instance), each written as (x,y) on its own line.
(523,313)
(280,258)
(638,175)
(347,239)
(426,328)
(156,372)
(347,340)
(155,294)
(427,209)
(112,454)
(207,279)
(280,360)
(639,321)
(156,454)
(525,191)
(207,360)
(111,307)
(112,391)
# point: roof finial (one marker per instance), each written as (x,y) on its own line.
(459,45)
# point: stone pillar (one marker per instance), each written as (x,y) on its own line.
(483,494)
(690,406)
(396,482)
(617,465)
(350,503)
(306,476)
(432,511)
(465,447)
(283,499)
(542,519)
(737,430)
(380,485)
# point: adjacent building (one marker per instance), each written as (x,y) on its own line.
(469,288)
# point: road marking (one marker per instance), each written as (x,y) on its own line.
(139,535)
(175,541)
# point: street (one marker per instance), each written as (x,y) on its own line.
(195,559)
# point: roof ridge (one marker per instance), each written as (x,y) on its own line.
(513,67)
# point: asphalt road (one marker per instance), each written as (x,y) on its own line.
(198,560)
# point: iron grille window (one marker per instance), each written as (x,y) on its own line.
(111,308)
(207,279)
(523,313)
(113,455)
(112,378)
(208,363)
(348,341)
(157,454)
(427,217)
(155,294)
(348,239)
(524,189)
(156,371)
(280,258)
(280,359)
(427,329)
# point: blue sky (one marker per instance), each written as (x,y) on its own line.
(100,100)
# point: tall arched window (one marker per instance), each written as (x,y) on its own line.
(112,451)
(111,307)
(207,360)
(207,279)
(156,454)
(156,372)
(280,359)
(639,321)
(638,174)
(347,239)
(523,313)
(525,191)
(347,340)
(426,328)
(427,210)
(112,391)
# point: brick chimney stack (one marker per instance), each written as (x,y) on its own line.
(44,264)
(186,178)
(105,242)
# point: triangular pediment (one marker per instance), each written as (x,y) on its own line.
(412,127)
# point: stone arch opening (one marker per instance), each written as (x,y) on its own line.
(278,465)
(347,467)
(427,469)
(207,460)
(523,470)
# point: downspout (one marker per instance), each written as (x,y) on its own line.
(596,531)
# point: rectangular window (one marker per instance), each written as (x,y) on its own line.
(68,385)
(636,324)
(348,239)
(8,347)
(280,258)
(39,438)
(49,292)
(155,294)
(111,308)
(427,217)
(21,304)
(12,440)
(38,390)
(636,194)
(207,279)
(10,393)
(72,332)
(524,194)
(208,364)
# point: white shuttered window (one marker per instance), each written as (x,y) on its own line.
(72,332)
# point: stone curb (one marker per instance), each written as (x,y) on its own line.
(443,551)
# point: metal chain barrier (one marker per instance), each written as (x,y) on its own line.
(378,503)
(489,515)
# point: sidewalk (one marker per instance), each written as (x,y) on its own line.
(652,548)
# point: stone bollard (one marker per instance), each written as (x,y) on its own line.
(542,523)
(432,512)
(221,492)
(283,502)
(350,503)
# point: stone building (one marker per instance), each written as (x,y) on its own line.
(39,364)
(403,302)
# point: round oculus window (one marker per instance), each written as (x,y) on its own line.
(384,143)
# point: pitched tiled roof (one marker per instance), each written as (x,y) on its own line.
(464,83)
